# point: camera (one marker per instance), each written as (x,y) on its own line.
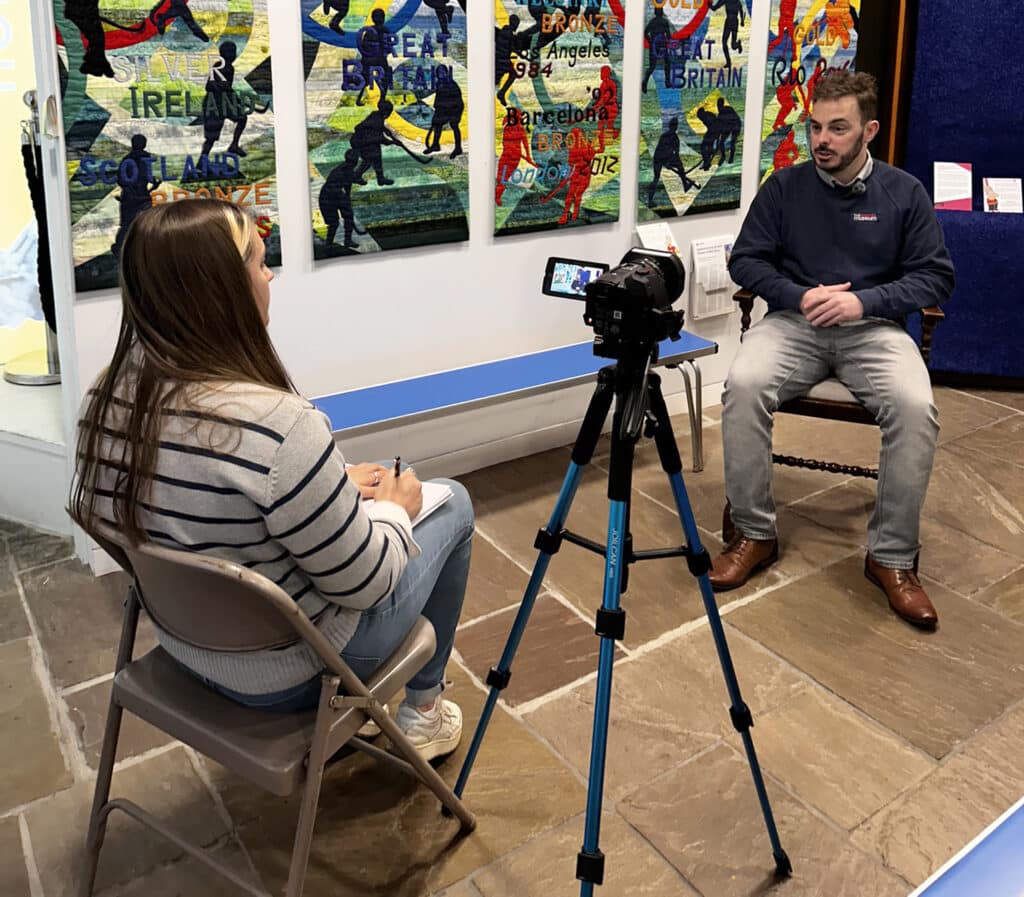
(630,306)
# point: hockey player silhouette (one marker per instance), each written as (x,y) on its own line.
(787,19)
(735,16)
(335,199)
(505,45)
(85,15)
(375,43)
(728,126)
(444,13)
(606,107)
(368,137)
(657,33)
(222,103)
(515,145)
(666,155)
(135,178)
(787,152)
(178,9)
(581,158)
(448,109)
(340,8)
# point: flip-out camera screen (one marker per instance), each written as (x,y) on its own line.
(569,277)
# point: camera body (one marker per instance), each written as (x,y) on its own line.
(630,306)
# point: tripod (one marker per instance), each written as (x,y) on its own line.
(639,406)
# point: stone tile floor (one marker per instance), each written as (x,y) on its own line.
(885,749)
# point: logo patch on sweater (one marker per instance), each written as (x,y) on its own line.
(865,216)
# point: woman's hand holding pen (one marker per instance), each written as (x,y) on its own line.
(367,477)
(403,488)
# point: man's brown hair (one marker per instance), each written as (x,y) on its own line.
(838,83)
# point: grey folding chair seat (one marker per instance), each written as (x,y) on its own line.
(217,604)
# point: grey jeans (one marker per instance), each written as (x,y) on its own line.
(780,358)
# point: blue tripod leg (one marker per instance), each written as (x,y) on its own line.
(610,626)
(499,676)
(700,562)
(548,542)
(742,720)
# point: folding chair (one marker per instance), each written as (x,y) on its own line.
(219,605)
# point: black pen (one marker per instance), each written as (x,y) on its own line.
(398,465)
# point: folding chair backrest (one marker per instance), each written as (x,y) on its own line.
(209,602)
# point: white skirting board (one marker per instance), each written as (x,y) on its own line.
(34,489)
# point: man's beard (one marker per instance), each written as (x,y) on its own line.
(838,163)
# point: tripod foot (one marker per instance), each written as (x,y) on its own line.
(783,867)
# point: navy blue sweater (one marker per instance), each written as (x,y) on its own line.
(885,240)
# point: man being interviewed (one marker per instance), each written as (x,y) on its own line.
(841,249)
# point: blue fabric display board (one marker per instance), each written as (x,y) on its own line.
(973,114)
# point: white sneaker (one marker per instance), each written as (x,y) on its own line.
(434,733)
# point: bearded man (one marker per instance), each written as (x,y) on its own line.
(841,248)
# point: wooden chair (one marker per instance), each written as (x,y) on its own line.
(827,400)
(215,604)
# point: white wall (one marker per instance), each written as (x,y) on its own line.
(353,322)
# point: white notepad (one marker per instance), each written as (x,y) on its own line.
(434,495)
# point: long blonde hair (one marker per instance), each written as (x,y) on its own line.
(188,317)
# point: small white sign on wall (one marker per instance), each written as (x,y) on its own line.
(711,288)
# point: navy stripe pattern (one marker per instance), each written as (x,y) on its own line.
(252,475)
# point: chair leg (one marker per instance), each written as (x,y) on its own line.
(97,818)
(695,413)
(311,792)
(428,775)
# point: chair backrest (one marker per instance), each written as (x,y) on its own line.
(209,602)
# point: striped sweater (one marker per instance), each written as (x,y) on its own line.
(252,475)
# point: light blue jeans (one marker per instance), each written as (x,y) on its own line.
(433,585)
(781,357)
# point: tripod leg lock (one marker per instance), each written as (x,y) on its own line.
(547,541)
(699,564)
(742,719)
(498,679)
(610,623)
(590,867)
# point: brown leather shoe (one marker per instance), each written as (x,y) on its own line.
(741,559)
(906,595)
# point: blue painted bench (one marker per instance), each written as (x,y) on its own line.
(419,398)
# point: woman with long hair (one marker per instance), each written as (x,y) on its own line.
(195,438)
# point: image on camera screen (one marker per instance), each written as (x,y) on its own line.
(571,279)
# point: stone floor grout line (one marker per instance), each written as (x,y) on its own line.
(666,638)
(222,810)
(82,686)
(962,746)
(60,718)
(810,680)
(37,567)
(977,537)
(549,696)
(483,618)
(35,883)
(671,508)
(545,587)
(984,399)
(820,492)
(117,890)
(971,597)
(657,852)
(136,759)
